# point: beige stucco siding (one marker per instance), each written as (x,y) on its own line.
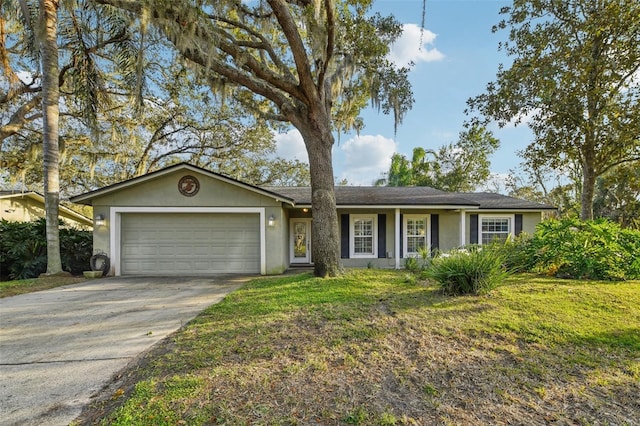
(163,191)
(20,209)
(530,221)
(449,230)
(27,209)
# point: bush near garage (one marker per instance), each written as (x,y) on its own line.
(572,248)
(23,249)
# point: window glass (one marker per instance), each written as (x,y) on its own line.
(363,236)
(416,234)
(495,229)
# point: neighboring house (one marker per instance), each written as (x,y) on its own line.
(17,206)
(187,220)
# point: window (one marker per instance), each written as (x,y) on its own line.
(416,230)
(495,228)
(363,235)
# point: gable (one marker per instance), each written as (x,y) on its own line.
(162,188)
(28,206)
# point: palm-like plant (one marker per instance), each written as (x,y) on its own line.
(81,33)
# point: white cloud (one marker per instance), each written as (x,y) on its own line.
(366,158)
(290,146)
(408,47)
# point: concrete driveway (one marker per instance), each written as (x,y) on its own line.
(58,347)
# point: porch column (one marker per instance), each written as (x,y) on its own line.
(463,228)
(397,236)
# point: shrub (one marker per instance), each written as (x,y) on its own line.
(76,248)
(597,249)
(471,271)
(23,249)
(516,253)
(417,264)
(411,264)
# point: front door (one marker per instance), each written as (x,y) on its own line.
(300,230)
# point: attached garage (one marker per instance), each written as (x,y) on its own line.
(189,243)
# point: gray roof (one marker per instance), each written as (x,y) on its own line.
(410,196)
(350,195)
(490,200)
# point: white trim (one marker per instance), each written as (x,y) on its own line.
(463,228)
(374,232)
(115,230)
(427,232)
(514,211)
(405,207)
(512,222)
(397,238)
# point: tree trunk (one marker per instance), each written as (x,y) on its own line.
(50,113)
(588,189)
(325,248)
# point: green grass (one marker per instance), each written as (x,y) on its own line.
(16,287)
(375,347)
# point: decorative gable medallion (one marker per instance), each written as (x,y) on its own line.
(188,186)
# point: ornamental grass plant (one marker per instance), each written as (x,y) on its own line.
(468,271)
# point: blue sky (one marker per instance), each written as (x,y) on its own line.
(458,58)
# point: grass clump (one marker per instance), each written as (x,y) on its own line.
(16,287)
(468,271)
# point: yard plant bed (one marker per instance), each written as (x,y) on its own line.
(377,347)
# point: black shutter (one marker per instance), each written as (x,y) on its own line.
(382,236)
(474,229)
(518,225)
(344,236)
(435,233)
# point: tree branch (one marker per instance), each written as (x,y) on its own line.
(298,50)
(19,118)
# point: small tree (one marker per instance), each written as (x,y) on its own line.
(457,167)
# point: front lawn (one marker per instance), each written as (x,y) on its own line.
(13,288)
(376,348)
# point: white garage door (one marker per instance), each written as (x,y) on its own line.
(189,243)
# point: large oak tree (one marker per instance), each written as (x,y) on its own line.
(575,79)
(310,63)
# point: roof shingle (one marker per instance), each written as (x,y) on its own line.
(410,196)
